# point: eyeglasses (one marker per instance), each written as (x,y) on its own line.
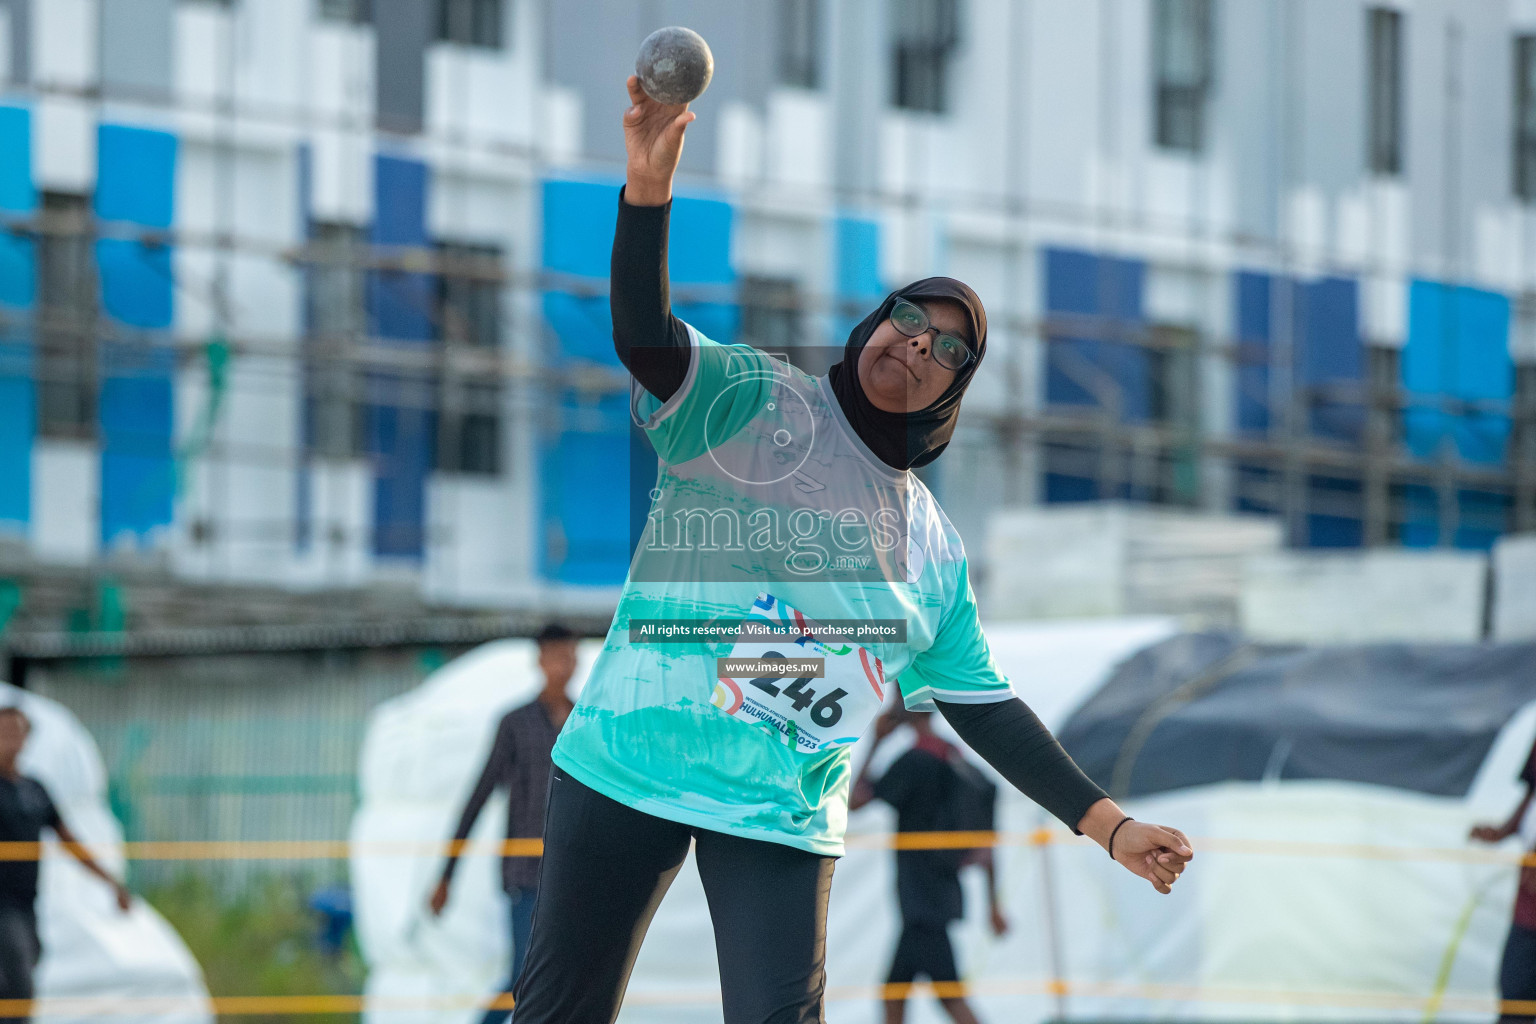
(948,351)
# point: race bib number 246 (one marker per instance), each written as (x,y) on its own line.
(824,695)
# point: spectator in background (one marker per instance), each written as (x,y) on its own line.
(1517,975)
(25,810)
(933,789)
(519,762)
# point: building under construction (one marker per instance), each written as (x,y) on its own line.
(305,312)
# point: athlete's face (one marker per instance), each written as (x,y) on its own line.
(898,373)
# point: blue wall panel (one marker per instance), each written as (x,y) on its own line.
(1095,303)
(700,254)
(1458,349)
(1252,373)
(578,218)
(17,193)
(136,185)
(857,241)
(400,304)
(1336,513)
(400,428)
(17,293)
(1329,354)
(138,174)
(1101,297)
(1320,322)
(593,476)
(136,283)
(591,479)
(1481,518)
(1331,357)
(856,257)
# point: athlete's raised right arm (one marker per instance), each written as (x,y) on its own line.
(651,342)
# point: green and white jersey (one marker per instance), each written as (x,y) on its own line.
(769,508)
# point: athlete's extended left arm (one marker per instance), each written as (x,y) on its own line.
(81,854)
(1011,738)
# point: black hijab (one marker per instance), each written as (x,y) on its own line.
(905,440)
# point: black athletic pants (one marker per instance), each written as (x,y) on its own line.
(605,869)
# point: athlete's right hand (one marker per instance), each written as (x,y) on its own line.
(653,144)
(439,898)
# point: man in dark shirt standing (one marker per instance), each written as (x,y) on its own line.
(25,810)
(519,762)
(926,786)
(1517,972)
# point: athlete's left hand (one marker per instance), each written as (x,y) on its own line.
(1158,853)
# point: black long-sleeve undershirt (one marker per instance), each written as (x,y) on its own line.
(654,346)
(651,343)
(1011,738)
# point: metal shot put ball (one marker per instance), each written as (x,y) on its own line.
(674,65)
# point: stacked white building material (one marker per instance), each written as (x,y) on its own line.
(1108,559)
(1365,597)
(1514,588)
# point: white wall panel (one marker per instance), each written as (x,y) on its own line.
(1307,228)
(66,501)
(779,243)
(987,87)
(64,34)
(269,44)
(253,493)
(469,208)
(194,306)
(479,98)
(265,300)
(338,77)
(1496,245)
(6,42)
(477,539)
(203,43)
(341,176)
(64,144)
(741,160)
(1064,97)
(340,518)
(560,125)
(1384,310)
(262,199)
(799,132)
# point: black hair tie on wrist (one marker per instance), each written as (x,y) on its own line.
(1112,835)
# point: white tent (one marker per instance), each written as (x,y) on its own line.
(1292,932)
(93,954)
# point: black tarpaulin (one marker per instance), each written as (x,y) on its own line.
(1198,709)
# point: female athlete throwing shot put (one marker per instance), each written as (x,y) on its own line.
(785,512)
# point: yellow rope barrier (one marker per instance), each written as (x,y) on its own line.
(340,849)
(87,1006)
(344,1004)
